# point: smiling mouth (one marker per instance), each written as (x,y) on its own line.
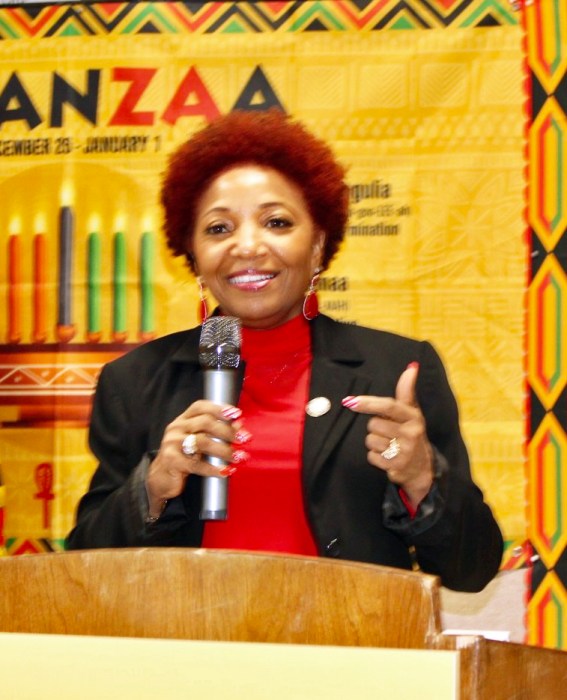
(252,280)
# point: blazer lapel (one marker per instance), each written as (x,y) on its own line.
(335,374)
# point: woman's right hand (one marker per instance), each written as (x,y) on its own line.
(214,429)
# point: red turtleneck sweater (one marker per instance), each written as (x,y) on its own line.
(265,507)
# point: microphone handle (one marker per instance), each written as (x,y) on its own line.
(220,386)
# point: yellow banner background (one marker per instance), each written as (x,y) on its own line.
(431,127)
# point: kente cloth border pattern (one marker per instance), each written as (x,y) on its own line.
(101,19)
(23,545)
(546,327)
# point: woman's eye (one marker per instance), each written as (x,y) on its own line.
(279,222)
(216,229)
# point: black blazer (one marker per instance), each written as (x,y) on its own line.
(353,510)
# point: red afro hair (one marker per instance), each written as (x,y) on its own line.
(268,138)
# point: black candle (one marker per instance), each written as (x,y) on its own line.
(65,327)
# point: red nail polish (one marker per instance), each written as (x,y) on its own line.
(349,401)
(239,456)
(412,365)
(242,436)
(231,413)
(227,471)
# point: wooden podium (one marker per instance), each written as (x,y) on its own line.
(267,604)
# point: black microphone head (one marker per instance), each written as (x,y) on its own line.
(219,346)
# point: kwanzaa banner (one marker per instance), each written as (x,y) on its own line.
(432,128)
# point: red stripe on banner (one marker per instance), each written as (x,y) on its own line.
(545,601)
(540,490)
(109,9)
(359,19)
(276,7)
(542,171)
(541,41)
(209,10)
(35,27)
(540,313)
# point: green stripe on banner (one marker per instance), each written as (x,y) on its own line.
(5,27)
(559,175)
(557,24)
(558,492)
(150,12)
(556,376)
(486,7)
(317,8)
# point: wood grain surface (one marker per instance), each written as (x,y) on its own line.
(180,593)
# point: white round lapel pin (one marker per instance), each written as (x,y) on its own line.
(318,406)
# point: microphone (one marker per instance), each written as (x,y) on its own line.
(219,357)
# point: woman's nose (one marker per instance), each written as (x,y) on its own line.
(248,240)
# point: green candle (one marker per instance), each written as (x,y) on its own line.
(147,252)
(119,288)
(93,287)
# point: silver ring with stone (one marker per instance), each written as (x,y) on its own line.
(189,445)
(393,449)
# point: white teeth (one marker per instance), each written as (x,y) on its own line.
(250,279)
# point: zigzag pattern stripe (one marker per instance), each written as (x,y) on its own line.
(95,19)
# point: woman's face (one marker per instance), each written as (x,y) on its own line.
(255,245)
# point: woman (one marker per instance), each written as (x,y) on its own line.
(345,441)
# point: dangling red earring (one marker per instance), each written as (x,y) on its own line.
(203,309)
(311,303)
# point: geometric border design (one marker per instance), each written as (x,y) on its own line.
(21,545)
(547,496)
(48,380)
(96,19)
(547,331)
(547,613)
(545,22)
(548,141)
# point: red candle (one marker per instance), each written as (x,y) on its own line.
(39,289)
(14,289)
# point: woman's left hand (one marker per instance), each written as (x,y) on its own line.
(397,439)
